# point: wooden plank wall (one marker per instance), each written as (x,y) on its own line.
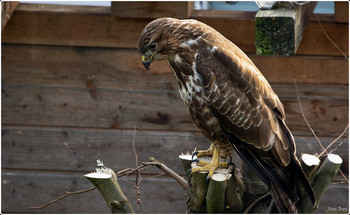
(74,89)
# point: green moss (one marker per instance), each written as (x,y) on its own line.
(274,36)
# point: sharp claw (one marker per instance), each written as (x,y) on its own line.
(195,160)
(207,178)
(190,177)
(188,171)
(194,154)
(231,163)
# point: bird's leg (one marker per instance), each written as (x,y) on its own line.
(208,152)
(214,164)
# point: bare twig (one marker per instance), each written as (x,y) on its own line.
(302,113)
(62,197)
(334,141)
(169,172)
(138,178)
(253,204)
(156,163)
(344,176)
(334,44)
(127,172)
(154,176)
(133,147)
(341,143)
(318,140)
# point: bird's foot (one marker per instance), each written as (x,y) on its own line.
(204,153)
(212,165)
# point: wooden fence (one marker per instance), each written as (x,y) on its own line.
(74,90)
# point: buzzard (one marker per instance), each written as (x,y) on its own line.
(231,102)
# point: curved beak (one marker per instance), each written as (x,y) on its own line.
(146,62)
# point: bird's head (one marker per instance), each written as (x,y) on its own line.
(155,41)
(162,38)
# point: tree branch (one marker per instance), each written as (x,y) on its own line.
(105,180)
(322,180)
(334,141)
(62,197)
(169,172)
(252,205)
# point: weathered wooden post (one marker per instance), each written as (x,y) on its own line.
(230,190)
(106,182)
(278,31)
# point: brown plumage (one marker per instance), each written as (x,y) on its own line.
(230,101)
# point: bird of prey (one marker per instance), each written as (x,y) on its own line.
(232,103)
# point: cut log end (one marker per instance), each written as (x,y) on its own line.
(98,175)
(335,158)
(185,157)
(310,160)
(221,176)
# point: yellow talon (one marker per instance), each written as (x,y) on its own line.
(213,164)
(204,163)
(209,152)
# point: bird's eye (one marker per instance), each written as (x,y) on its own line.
(152,47)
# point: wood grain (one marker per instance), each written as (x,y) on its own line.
(73,149)
(104,61)
(313,70)
(47,86)
(179,9)
(24,189)
(158,194)
(145,110)
(7,9)
(93,26)
(278,31)
(341,11)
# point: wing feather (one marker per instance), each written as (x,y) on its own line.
(239,93)
(250,112)
(246,107)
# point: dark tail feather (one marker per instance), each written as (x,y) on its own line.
(296,167)
(302,179)
(283,204)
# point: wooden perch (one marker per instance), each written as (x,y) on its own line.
(7,9)
(186,160)
(222,193)
(341,11)
(197,190)
(235,190)
(169,172)
(216,192)
(232,191)
(310,164)
(279,31)
(152,9)
(322,180)
(106,182)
